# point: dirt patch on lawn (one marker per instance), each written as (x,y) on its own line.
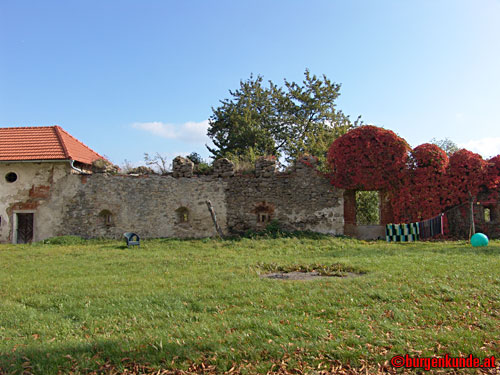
(295,275)
(309,271)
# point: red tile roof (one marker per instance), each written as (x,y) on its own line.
(43,143)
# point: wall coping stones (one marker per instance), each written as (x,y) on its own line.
(223,168)
(182,167)
(265,167)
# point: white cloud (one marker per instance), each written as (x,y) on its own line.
(194,132)
(486,147)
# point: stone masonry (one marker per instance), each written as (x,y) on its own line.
(107,204)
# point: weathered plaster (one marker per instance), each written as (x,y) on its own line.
(31,192)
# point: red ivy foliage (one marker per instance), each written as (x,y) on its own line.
(466,176)
(367,158)
(430,156)
(418,196)
(493,173)
(420,185)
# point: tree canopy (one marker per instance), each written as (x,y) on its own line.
(446,144)
(289,121)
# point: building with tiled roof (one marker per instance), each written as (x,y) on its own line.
(38,168)
(43,143)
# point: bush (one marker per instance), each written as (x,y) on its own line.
(203,168)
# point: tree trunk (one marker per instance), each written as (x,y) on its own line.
(472,224)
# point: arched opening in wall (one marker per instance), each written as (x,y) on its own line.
(106,218)
(264,212)
(182,215)
(367,207)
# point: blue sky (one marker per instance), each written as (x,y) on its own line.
(129,77)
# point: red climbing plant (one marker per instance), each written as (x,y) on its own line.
(466,175)
(492,173)
(421,183)
(368,158)
(419,194)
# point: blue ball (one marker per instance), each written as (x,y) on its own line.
(479,239)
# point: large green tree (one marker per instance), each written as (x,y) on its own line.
(288,121)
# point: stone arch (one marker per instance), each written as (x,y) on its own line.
(106,217)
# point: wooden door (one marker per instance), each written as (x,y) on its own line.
(24,227)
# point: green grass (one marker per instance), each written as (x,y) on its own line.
(172,302)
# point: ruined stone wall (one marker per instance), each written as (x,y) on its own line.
(107,205)
(148,205)
(151,206)
(298,200)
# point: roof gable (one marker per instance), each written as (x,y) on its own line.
(43,143)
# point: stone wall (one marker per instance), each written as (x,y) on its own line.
(459,218)
(299,200)
(151,206)
(107,205)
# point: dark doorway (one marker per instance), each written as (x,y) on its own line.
(24,227)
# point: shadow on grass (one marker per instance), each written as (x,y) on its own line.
(89,357)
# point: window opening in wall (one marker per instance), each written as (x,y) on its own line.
(11,177)
(367,207)
(263,217)
(106,217)
(264,212)
(182,215)
(487,215)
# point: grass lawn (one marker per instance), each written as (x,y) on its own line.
(173,303)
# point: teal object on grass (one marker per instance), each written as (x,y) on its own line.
(479,239)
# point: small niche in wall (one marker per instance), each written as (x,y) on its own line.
(182,215)
(106,217)
(264,212)
(263,217)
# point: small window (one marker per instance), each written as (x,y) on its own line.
(487,215)
(106,217)
(11,177)
(182,215)
(263,217)
(264,212)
